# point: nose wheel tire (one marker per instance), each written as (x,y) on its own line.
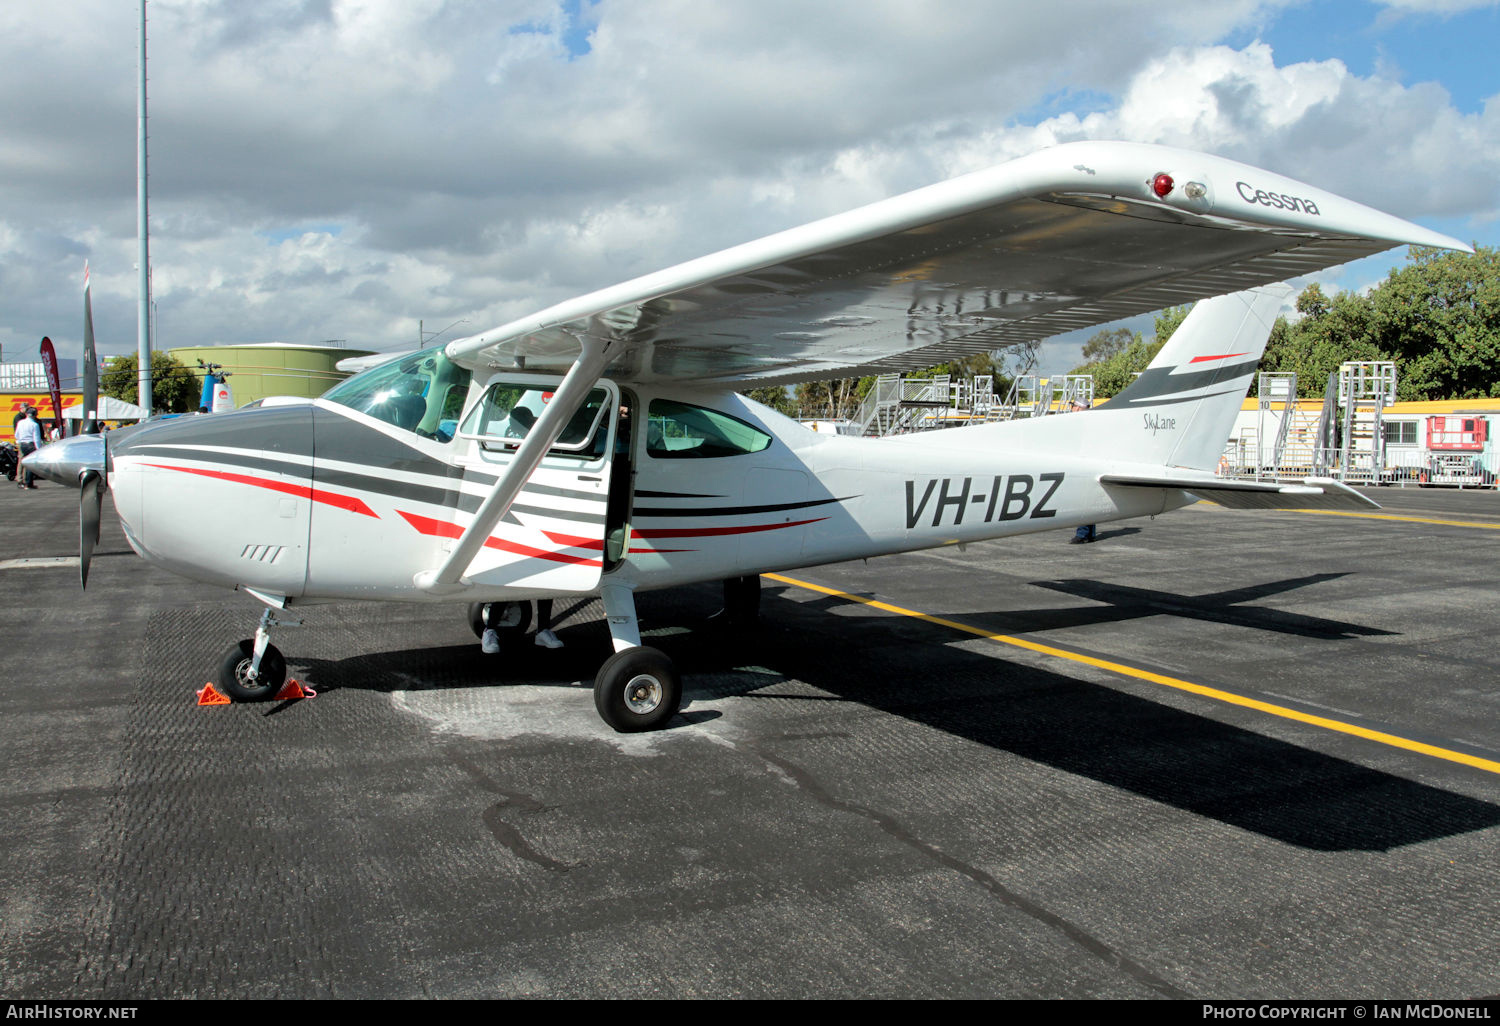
(234,673)
(637,689)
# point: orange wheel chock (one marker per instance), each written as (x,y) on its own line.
(292,689)
(210,695)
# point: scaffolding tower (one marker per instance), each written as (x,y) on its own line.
(1366,388)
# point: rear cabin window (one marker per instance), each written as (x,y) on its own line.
(679,431)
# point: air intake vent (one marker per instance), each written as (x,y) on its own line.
(262,553)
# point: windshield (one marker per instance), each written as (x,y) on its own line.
(422,393)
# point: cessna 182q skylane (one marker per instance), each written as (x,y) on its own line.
(599,448)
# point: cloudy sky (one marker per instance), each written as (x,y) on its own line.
(343,169)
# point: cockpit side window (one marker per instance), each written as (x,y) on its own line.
(422,393)
(506,414)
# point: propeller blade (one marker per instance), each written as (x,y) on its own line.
(90,502)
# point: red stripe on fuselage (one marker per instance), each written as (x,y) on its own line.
(443,529)
(347,502)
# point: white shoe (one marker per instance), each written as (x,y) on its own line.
(490,643)
(546,639)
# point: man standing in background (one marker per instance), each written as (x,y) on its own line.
(28,441)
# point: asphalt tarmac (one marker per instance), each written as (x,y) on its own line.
(855,802)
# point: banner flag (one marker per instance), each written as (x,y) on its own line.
(49,363)
(90,362)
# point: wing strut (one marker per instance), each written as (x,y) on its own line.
(576,385)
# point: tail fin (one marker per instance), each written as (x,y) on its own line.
(1179,412)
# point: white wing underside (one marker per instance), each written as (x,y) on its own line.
(1063,239)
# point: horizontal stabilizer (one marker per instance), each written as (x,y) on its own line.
(1311,493)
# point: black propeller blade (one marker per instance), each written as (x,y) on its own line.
(90,502)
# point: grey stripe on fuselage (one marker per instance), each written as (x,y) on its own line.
(1141,404)
(336,438)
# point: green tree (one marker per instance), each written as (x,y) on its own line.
(1439,318)
(1111,376)
(833,399)
(1104,344)
(1167,321)
(774,396)
(1126,353)
(174,388)
(1329,333)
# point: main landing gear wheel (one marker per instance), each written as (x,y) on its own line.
(515,618)
(234,673)
(637,689)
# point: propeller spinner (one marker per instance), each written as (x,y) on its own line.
(78,462)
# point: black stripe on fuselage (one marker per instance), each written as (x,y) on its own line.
(728,511)
(643,494)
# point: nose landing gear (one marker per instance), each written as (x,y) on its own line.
(254,670)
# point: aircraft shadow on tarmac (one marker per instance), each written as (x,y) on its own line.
(911,668)
(1226,607)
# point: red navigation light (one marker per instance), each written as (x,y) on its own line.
(1161,185)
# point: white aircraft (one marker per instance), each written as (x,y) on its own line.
(599,448)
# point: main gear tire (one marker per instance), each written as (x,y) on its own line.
(637,690)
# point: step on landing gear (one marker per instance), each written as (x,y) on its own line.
(254,670)
(637,688)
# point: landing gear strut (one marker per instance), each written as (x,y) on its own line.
(254,670)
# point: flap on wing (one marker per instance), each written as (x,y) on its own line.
(1311,493)
(1067,238)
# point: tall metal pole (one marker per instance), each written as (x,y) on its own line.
(142,221)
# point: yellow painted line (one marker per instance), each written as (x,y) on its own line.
(1393,516)
(1395,741)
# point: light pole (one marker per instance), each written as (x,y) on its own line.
(424,337)
(143,324)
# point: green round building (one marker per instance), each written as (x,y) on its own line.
(260,369)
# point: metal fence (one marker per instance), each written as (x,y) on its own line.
(1399,467)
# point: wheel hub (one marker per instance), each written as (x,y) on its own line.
(643,694)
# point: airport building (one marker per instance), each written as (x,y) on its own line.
(255,371)
(261,369)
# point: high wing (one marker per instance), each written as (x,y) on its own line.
(1066,238)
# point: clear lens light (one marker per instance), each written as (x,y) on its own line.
(1195,190)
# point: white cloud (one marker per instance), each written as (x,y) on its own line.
(342,168)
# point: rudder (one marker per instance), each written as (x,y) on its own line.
(1180,410)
